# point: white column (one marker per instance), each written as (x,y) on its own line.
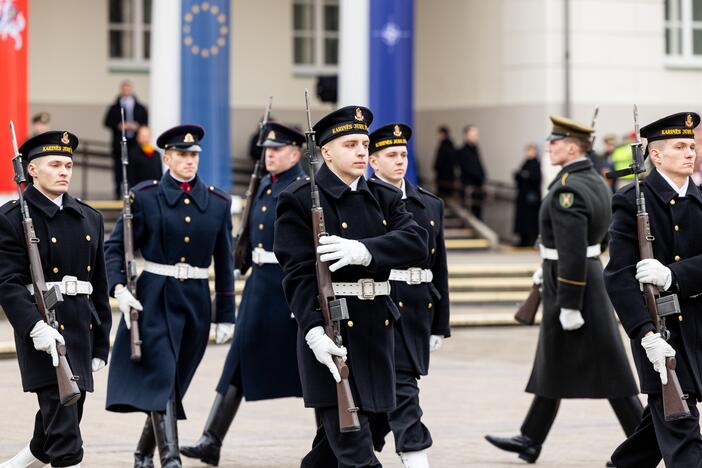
(354,51)
(166,37)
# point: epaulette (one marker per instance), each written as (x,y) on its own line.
(9,206)
(218,192)
(382,183)
(297,184)
(146,184)
(427,192)
(82,203)
(564,178)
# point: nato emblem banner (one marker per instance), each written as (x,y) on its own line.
(204,92)
(13,82)
(391,67)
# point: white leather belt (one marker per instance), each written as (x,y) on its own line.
(552,254)
(69,286)
(260,256)
(179,270)
(365,289)
(412,276)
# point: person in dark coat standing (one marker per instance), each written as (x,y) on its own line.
(472,171)
(421,294)
(180,225)
(135,115)
(674,206)
(70,244)
(261,364)
(445,164)
(369,232)
(526,212)
(580,353)
(144,160)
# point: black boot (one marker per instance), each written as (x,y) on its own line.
(144,454)
(527,449)
(222,414)
(166,433)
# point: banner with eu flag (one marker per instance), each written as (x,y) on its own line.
(204,89)
(391,86)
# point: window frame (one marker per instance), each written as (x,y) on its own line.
(137,27)
(318,34)
(686,58)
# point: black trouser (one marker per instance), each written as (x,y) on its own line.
(542,413)
(678,443)
(56,438)
(332,448)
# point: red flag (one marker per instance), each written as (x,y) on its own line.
(14,17)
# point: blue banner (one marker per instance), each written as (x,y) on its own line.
(391,90)
(204,92)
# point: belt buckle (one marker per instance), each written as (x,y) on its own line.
(70,285)
(415,276)
(367,289)
(181,271)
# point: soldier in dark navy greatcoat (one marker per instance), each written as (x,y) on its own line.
(261,363)
(369,233)
(180,225)
(421,294)
(70,244)
(580,353)
(674,206)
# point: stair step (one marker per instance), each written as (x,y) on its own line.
(518,284)
(467,244)
(459,233)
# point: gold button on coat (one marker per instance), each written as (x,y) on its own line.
(87,237)
(186,201)
(186,239)
(260,227)
(677,258)
(55,270)
(269,191)
(88,268)
(432,222)
(53,240)
(264,208)
(259,245)
(188,219)
(387,322)
(433,250)
(62,327)
(430,305)
(672,202)
(344,225)
(350,323)
(677,228)
(680,318)
(385,223)
(182,259)
(401,304)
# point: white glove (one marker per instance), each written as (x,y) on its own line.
(237,274)
(126,301)
(97,364)
(571,319)
(346,251)
(324,348)
(657,350)
(652,271)
(224,332)
(45,339)
(538,277)
(435,343)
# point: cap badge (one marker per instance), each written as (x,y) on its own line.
(65,139)
(397,132)
(359,114)
(189,138)
(271,135)
(688,121)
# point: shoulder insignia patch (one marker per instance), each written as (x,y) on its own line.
(566,199)
(564,177)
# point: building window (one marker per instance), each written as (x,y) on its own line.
(316,36)
(129,34)
(683,32)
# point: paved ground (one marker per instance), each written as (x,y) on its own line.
(476,387)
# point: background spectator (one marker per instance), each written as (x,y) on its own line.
(40,123)
(144,160)
(135,115)
(445,163)
(472,172)
(526,214)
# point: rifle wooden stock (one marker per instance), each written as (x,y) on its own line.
(242,243)
(674,404)
(527,311)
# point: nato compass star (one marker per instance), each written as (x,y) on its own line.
(391,34)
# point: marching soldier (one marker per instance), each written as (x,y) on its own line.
(420,292)
(369,233)
(579,353)
(674,206)
(71,249)
(180,223)
(261,363)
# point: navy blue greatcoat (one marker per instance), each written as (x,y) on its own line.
(424,307)
(170,226)
(375,215)
(70,243)
(263,349)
